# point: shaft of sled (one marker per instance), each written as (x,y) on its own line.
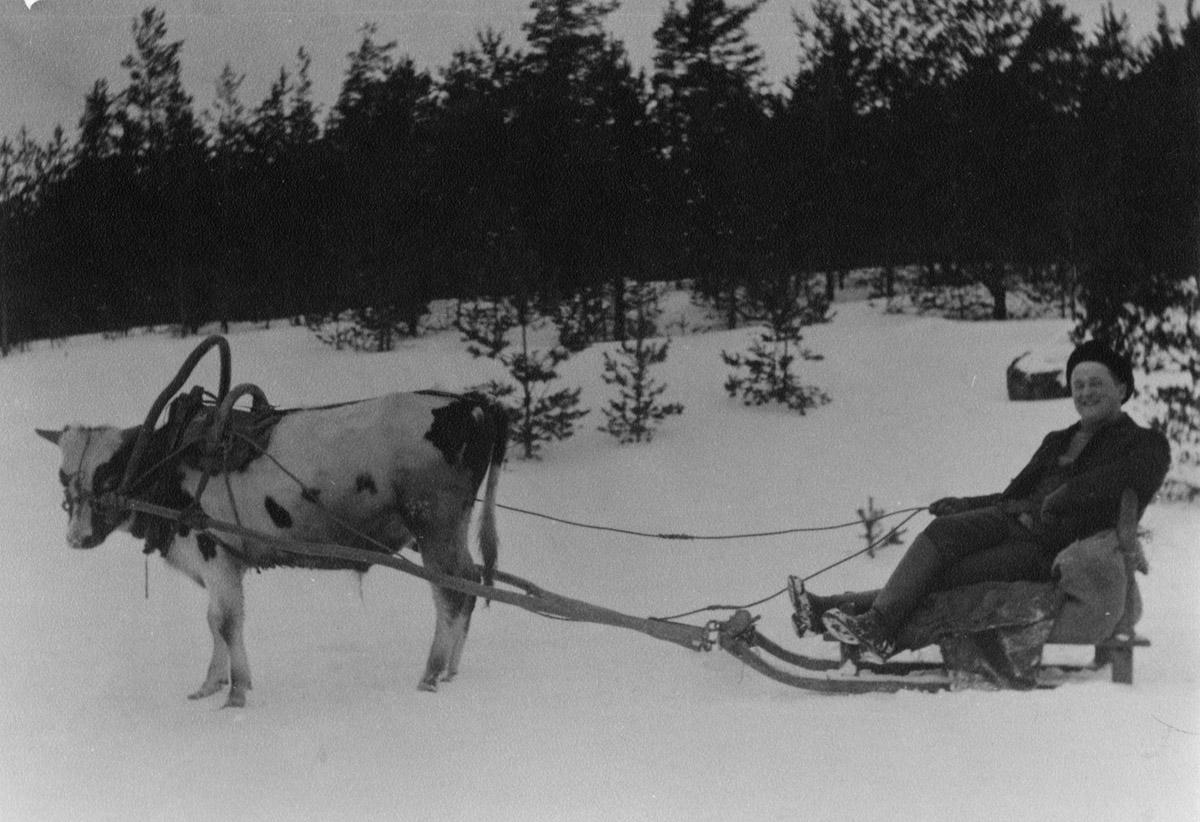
(539,602)
(536,600)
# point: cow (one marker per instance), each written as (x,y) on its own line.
(382,474)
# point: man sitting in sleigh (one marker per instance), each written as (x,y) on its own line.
(1070,490)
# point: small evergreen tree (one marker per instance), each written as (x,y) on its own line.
(370,328)
(582,319)
(633,416)
(485,327)
(871,517)
(768,373)
(537,413)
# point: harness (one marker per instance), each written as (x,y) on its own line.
(202,431)
(73,493)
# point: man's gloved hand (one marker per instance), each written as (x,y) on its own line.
(946,506)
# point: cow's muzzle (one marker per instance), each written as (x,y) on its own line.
(83,543)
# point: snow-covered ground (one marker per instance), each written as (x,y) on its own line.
(557,721)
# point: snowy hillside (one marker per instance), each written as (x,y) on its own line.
(550,720)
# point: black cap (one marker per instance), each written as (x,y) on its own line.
(1097,351)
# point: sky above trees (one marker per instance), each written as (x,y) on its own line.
(51,54)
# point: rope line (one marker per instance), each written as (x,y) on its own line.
(700,537)
(747,606)
(311,497)
(912,512)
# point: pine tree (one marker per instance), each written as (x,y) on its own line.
(582,318)
(769,376)
(366,328)
(823,150)
(156,114)
(97,126)
(710,105)
(573,133)
(633,416)
(98,195)
(162,137)
(537,413)
(377,138)
(302,129)
(20,189)
(476,183)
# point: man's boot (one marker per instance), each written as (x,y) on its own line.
(809,608)
(914,577)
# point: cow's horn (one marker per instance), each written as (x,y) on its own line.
(53,436)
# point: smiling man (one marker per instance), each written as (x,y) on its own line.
(1070,489)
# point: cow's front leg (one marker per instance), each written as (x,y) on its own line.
(226,617)
(239,663)
(218,668)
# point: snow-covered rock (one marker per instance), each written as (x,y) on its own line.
(1038,375)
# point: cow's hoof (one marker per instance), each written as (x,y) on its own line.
(208,689)
(427,685)
(237,699)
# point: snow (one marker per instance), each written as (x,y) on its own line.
(558,721)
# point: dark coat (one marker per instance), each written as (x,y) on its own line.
(1120,455)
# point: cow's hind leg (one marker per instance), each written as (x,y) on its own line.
(459,638)
(453,618)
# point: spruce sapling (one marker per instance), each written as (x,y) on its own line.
(871,517)
(769,376)
(537,414)
(634,415)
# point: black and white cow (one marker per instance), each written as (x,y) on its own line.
(397,469)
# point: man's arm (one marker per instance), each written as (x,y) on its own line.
(1141,465)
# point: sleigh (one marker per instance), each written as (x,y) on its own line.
(990,634)
(993,634)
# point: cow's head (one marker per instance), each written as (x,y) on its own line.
(93,463)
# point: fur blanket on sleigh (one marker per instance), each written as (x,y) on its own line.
(991,634)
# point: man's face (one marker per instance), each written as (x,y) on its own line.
(1096,393)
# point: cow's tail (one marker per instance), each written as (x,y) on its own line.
(489,541)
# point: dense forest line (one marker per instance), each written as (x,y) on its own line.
(982,140)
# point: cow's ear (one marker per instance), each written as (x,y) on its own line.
(52,436)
